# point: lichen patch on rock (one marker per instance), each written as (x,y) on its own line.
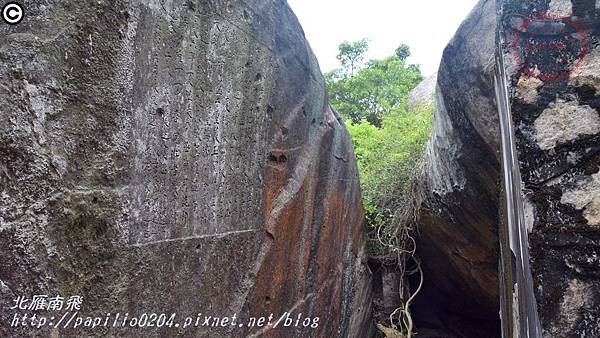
(563,122)
(529,213)
(579,295)
(586,195)
(527,88)
(560,8)
(589,71)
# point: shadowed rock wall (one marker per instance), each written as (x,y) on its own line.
(458,219)
(177,157)
(555,103)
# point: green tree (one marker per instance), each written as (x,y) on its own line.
(389,143)
(387,157)
(380,86)
(403,52)
(352,54)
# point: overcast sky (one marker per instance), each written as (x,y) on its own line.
(425,25)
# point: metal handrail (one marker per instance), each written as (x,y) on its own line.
(517,282)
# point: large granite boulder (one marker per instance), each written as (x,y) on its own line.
(458,218)
(555,98)
(175,157)
(423,95)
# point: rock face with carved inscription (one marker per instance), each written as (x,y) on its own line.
(176,157)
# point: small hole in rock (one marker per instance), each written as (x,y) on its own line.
(270,235)
(279,159)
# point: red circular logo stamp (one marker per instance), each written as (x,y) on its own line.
(548,47)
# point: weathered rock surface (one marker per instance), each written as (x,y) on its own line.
(557,119)
(423,94)
(176,157)
(458,219)
(558,135)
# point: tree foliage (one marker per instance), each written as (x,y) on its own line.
(388,159)
(378,87)
(388,140)
(403,52)
(352,54)
(389,143)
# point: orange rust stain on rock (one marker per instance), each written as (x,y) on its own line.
(310,236)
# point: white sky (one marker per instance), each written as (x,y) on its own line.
(425,25)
